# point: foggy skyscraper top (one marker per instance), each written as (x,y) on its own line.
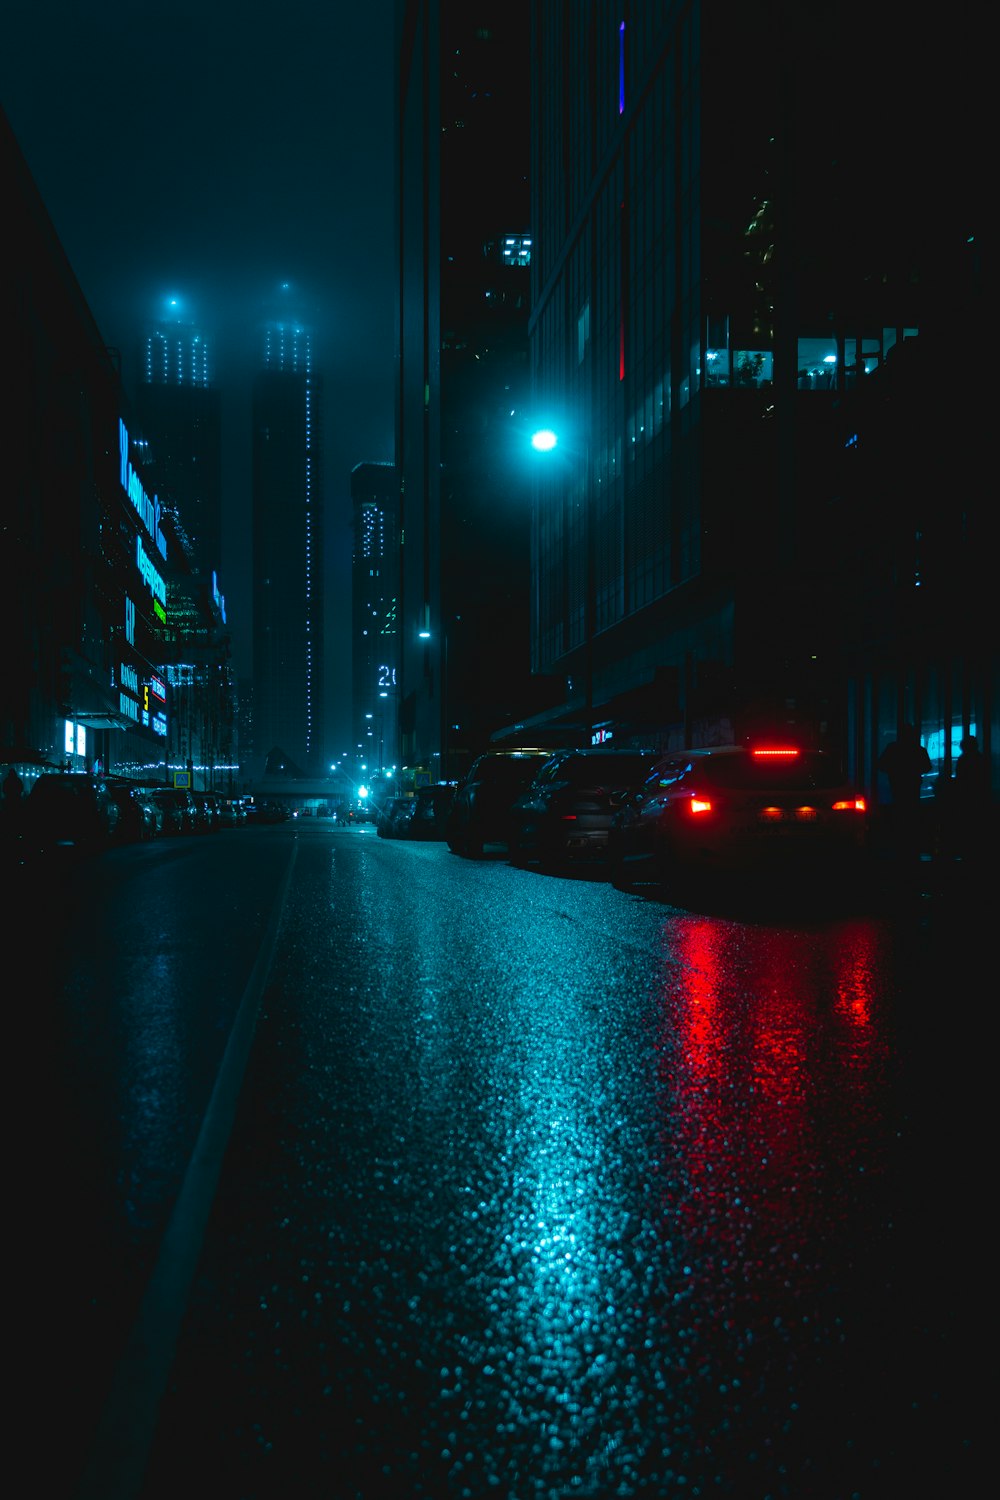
(175,351)
(286,333)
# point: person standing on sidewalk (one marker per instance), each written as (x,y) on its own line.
(971,802)
(904,761)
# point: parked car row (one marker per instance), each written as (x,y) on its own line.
(646,815)
(88,812)
(424,815)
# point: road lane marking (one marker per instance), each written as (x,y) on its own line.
(116,1465)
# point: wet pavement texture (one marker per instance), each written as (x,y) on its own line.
(536,1189)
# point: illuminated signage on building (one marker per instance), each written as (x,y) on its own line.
(75,738)
(147,510)
(148,573)
(219,599)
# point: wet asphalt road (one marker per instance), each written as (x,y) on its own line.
(374,1172)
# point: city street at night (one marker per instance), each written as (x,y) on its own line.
(370,1171)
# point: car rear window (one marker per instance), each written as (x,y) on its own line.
(508,770)
(612,770)
(808,771)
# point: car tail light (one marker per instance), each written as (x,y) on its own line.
(699,805)
(851,804)
(775,752)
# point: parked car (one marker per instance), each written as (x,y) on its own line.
(480,810)
(232,813)
(139,817)
(272,812)
(394,817)
(178,808)
(738,807)
(567,810)
(432,805)
(207,815)
(69,808)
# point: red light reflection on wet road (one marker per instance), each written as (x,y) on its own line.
(773,1070)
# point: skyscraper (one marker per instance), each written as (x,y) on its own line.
(375,625)
(179,414)
(287,485)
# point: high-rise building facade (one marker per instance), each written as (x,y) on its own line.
(374,621)
(287,567)
(733,260)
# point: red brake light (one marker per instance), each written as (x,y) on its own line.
(776,752)
(700,805)
(851,804)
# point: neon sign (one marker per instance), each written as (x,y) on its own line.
(148,572)
(219,599)
(147,510)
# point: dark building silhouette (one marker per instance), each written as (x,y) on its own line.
(463,421)
(287,568)
(111,659)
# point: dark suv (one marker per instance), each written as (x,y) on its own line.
(479,812)
(70,808)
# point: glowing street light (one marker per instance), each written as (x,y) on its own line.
(544,440)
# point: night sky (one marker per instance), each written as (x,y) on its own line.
(212,152)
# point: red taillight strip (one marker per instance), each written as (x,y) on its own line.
(783,754)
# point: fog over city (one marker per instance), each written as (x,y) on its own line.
(211,153)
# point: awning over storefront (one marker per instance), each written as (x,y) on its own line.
(96,706)
(650,707)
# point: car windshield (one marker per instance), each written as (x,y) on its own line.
(807,771)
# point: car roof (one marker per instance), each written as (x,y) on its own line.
(604,752)
(523,752)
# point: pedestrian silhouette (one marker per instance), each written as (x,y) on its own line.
(904,761)
(13,799)
(971,801)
